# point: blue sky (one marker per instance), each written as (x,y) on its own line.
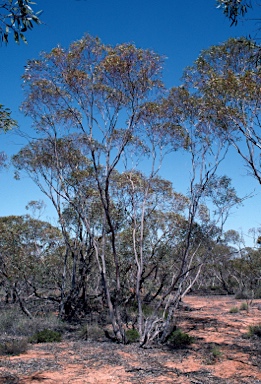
(177,29)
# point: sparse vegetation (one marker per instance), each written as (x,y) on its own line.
(46,336)
(179,339)
(234,310)
(159,363)
(216,353)
(243,295)
(24,326)
(255,330)
(132,335)
(244,307)
(13,346)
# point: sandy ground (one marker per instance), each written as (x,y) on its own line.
(220,354)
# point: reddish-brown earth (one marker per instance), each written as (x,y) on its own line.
(220,354)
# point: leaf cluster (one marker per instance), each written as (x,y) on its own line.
(6,122)
(17,17)
(233,9)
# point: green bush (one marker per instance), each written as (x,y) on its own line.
(216,353)
(46,336)
(257,293)
(234,310)
(244,295)
(255,330)
(179,339)
(24,326)
(213,353)
(13,347)
(84,332)
(244,307)
(132,335)
(147,310)
(7,323)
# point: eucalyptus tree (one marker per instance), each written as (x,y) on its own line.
(247,273)
(104,128)
(209,198)
(153,216)
(30,259)
(230,83)
(89,96)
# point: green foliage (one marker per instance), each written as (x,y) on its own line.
(7,321)
(243,295)
(147,310)
(179,339)
(215,352)
(6,122)
(13,346)
(91,332)
(132,335)
(30,252)
(17,17)
(233,9)
(244,307)
(234,310)
(46,336)
(24,326)
(122,228)
(257,293)
(84,332)
(254,330)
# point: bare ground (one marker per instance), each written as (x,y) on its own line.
(221,353)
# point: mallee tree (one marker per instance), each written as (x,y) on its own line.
(105,123)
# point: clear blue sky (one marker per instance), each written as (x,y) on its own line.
(177,29)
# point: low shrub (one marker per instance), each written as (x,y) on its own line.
(13,346)
(7,324)
(147,310)
(213,354)
(216,353)
(244,295)
(24,326)
(132,335)
(84,332)
(257,293)
(91,332)
(255,330)
(46,336)
(244,307)
(234,310)
(179,339)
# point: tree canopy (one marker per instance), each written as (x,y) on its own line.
(104,125)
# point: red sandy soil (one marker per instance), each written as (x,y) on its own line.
(220,353)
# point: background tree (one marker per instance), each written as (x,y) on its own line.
(230,83)
(30,253)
